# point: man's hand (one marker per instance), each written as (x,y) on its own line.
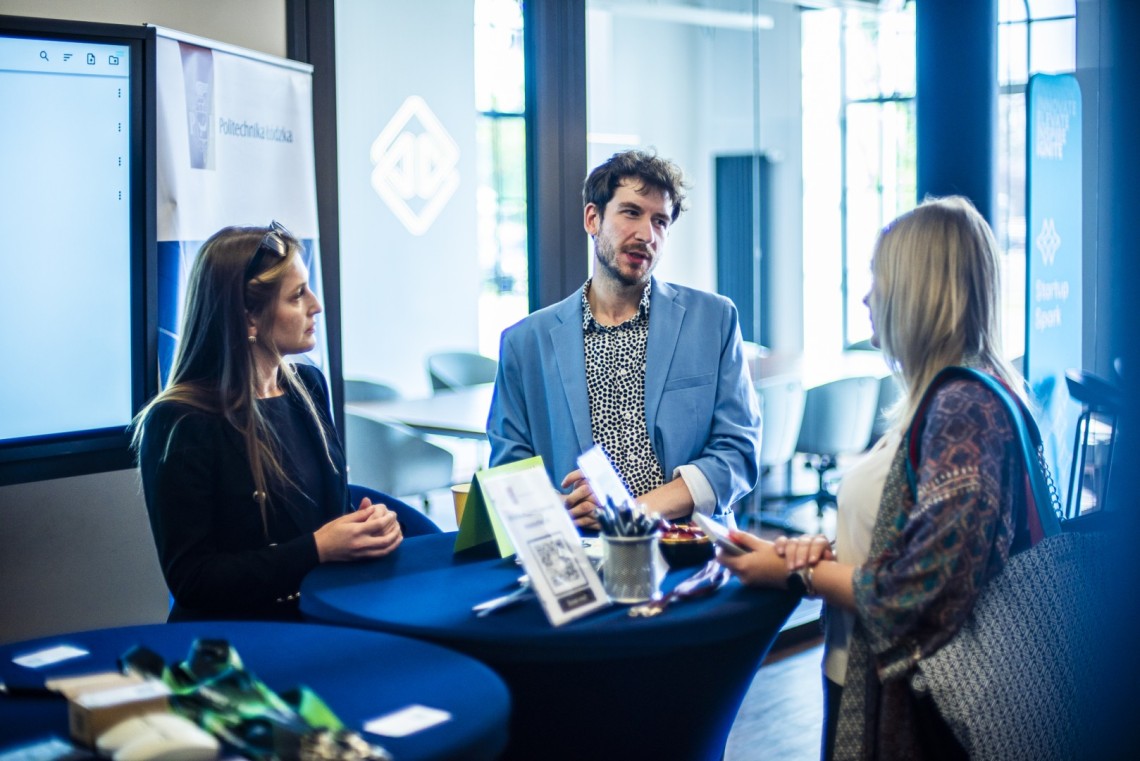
(580,502)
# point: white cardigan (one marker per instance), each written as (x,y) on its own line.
(859,495)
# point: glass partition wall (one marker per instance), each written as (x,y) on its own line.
(715,87)
(431,173)
(794,123)
(819,96)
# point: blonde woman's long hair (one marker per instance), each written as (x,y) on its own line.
(213,369)
(936,297)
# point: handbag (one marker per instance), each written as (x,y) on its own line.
(1010,683)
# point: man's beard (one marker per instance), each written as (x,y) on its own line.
(606,255)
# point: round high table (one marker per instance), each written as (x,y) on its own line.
(360,675)
(603,686)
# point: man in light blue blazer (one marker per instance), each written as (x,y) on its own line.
(653,372)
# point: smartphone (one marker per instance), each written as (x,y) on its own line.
(718,534)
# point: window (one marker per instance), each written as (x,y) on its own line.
(1034,36)
(859,86)
(859,115)
(500,136)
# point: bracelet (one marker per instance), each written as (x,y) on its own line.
(809,581)
(802,581)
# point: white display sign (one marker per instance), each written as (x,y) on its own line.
(547,543)
(603,478)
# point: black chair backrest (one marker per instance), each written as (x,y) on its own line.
(412,521)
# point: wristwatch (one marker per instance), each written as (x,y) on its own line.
(800,582)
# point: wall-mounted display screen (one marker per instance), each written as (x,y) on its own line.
(76,219)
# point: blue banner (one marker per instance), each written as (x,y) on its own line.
(1053,259)
(234,147)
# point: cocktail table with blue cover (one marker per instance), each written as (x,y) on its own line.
(605,686)
(360,674)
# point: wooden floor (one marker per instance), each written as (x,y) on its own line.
(782,715)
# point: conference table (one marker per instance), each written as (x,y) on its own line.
(361,675)
(603,686)
(461,413)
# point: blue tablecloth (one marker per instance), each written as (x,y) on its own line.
(361,675)
(606,686)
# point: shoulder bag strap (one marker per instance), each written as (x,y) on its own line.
(1029,439)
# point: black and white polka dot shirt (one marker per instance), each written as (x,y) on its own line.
(615,377)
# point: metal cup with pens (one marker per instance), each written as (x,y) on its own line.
(631,565)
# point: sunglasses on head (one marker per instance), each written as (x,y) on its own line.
(274,243)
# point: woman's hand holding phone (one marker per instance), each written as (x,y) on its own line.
(718,534)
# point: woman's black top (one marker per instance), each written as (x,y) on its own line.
(218,557)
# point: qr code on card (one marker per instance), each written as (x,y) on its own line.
(558,564)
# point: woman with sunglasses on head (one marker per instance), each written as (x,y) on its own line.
(242,471)
(911,558)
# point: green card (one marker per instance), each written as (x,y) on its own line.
(480,522)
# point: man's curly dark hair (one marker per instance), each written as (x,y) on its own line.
(647,169)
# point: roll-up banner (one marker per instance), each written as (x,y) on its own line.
(234,147)
(1053,260)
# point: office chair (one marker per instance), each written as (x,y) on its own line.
(753,353)
(394,458)
(358,390)
(450,370)
(890,391)
(837,420)
(1101,399)
(412,521)
(781,413)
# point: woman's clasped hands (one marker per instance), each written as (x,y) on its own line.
(372,531)
(803,551)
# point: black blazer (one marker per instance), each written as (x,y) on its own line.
(207,526)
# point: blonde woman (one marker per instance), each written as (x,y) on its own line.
(907,567)
(242,471)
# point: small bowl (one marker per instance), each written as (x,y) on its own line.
(684,545)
